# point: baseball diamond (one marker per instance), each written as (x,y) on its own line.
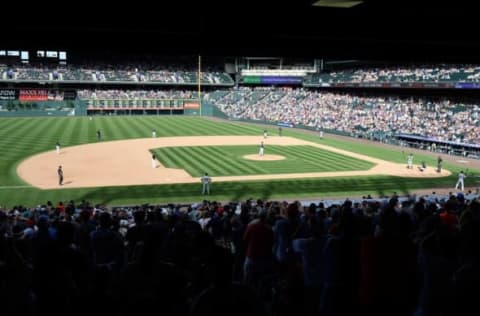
(118,169)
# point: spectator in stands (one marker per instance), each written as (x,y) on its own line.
(259,242)
(107,246)
(10,73)
(311,250)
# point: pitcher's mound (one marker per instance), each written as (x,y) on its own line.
(264,157)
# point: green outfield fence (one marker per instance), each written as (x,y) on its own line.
(16,108)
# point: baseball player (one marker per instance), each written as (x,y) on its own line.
(57,146)
(154,133)
(410,161)
(439,164)
(60,175)
(460,182)
(262,148)
(99,135)
(423,166)
(206,180)
(320,134)
(265,134)
(154,161)
(280,131)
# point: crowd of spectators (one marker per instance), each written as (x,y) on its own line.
(102,72)
(149,71)
(440,118)
(136,94)
(386,256)
(424,73)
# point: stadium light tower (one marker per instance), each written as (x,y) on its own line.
(200,83)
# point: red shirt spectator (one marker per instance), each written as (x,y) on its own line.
(259,240)
(449,219)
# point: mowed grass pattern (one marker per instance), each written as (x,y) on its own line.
(229,161)
(23,137)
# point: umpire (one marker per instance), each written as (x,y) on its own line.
(60,175)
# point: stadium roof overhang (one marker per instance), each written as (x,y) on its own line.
(374,29)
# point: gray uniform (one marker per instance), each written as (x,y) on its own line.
(206,180)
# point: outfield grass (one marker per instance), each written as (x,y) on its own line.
(229,161)
(23,137)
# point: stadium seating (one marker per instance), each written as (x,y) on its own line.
(109,73)
(356,115)
(435,73)
(189,259)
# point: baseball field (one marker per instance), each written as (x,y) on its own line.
(117,170)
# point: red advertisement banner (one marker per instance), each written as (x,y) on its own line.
(33,95)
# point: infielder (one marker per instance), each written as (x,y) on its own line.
(154,161)
(262,147)
(60,175)
(57,146)
(410,161)
(460,182)
(206,180)
(154,133)
(439,164)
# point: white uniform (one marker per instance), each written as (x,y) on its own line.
(410,161)
(154,162)
(262,147)
(461,177)
(206,184)
(320,134)
(57,146)
(154,134)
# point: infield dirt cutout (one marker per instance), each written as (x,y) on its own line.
(128,162)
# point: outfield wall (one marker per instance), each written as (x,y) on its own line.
(16,108)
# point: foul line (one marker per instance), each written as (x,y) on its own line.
(6,187)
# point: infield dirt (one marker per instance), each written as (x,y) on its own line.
(128,162)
